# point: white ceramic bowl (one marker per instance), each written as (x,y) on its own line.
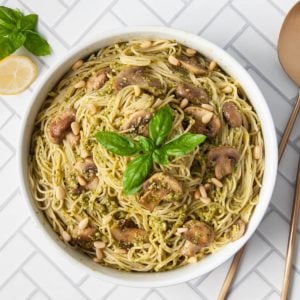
(232,67)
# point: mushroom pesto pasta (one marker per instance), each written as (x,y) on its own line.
(147,156)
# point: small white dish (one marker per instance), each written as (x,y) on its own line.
(232,67)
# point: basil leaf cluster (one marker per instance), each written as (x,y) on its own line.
(18,30)
(148,150)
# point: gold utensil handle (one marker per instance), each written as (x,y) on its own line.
(237,258)
(292,239)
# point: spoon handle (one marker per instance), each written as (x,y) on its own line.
(288,128)
(292,239)
(237,258)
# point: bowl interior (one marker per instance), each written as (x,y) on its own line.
(231,67)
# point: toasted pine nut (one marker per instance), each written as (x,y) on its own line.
(227,89)
(84,153)
(181,230)
(173,60)
(257,152)
(184,103)
(66,237)
(92,108)
(137,90)
(60,193)
(96,260)
(75,128)
(99,253)
(77,65)
(217,182)
(202,191)
(99,244)
(206,117)
(207,107)
(197,194)
(81,181)
(146,44)
(207,186)
(106,219)
(205,200)
(79,84)
(212,65)
(192,260)
(190,51)
(83,223)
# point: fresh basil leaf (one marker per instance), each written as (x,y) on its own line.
(29,22)
(160,157)
(9,45)
(118,144)
(146,144)
(183,144)
(160,125)
(10,17)
(136,173)
(36,44)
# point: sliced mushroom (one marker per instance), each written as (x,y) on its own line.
(138,122)
(191,64)
(59,127)
(232,115)
(224,158)
(137,76)
(86,234)
(211,128)
(92,184)
(97,81)
(88,170)
(199,233)
(127,232)
(194,94)
(160,187)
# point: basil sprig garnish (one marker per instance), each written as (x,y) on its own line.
(17,30)
(149,149)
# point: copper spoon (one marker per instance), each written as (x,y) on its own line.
(289,56)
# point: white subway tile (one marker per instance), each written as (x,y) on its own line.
(176,292)
(94,288)
(122,292)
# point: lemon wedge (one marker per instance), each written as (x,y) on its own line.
(16,74)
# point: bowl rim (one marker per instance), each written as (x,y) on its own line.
(230,65)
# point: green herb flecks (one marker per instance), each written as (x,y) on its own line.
(149,149)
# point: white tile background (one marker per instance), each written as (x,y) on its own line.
(29,266)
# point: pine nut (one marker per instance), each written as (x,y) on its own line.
(77,65)
(197,194)
(207,186)
(202,191)
(207,107)
(137,90)
(173,60)
(79,84)
(99,253)
(227,89)
(99,244)
(92,108)
(181,230)
(217,182)
(75,128)
(190,51)
(81,181)
(60,193)
(212,65)
(96,260)
(257,152)
(106,219)
(206,117)
(66,237)
(84,153)
(83,223)
(146,44)
(184,103)
(205,200)
(192,260)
